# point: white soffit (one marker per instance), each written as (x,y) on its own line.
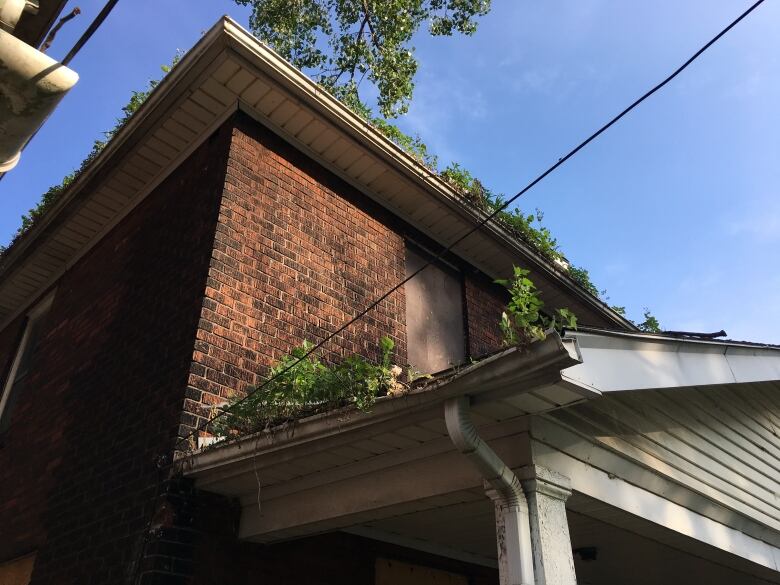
(614,362)
(229,70)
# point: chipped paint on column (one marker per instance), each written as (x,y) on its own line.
(547,492)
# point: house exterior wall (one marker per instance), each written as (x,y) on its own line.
(485,301)
(297,253)
(77,465)
(245,251)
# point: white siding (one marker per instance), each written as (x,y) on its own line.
(720,442)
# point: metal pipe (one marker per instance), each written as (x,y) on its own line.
(515,546)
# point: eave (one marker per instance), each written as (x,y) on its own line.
(227,71)
(616,361)
(366,472)
(506,387)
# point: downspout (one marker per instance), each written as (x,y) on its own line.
(516,544)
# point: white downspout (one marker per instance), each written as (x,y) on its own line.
(516,545)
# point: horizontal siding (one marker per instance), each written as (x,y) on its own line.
(720,442)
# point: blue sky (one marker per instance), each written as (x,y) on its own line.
(676,208)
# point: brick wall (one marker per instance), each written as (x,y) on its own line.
(244,252)
(485,301)
(104,399)
(297,253)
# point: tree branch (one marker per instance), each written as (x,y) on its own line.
(367,19)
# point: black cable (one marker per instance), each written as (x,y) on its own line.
(90,31)
(487,219)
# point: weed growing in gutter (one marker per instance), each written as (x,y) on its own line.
(301,385)
(309,387)
(524,319)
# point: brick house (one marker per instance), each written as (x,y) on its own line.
(243,211)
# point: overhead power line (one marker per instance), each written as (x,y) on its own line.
(109,6)
(488,218)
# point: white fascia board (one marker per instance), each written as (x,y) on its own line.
(612,363)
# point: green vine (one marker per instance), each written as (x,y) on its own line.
(308,387)
(650,324)
(524,319)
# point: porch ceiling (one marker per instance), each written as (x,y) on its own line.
(626,545)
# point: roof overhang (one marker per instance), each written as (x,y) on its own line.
(299,469)
(408,429)
(228,71)
(615,361)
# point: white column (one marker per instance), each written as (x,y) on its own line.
(546,492)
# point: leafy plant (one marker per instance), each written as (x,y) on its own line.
(650,324)
(411,144)
(413,375)
(306,387)
(582,277)
(523,320)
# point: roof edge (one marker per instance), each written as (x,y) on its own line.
(227,33)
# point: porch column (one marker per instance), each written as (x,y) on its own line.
(546,492)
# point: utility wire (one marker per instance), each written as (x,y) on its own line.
(90,31)
(487,219)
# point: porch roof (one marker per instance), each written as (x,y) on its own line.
(507,385)
(358,471)
(614,361)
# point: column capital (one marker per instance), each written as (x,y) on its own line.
(535,478)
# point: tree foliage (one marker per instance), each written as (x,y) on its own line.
(343,42)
